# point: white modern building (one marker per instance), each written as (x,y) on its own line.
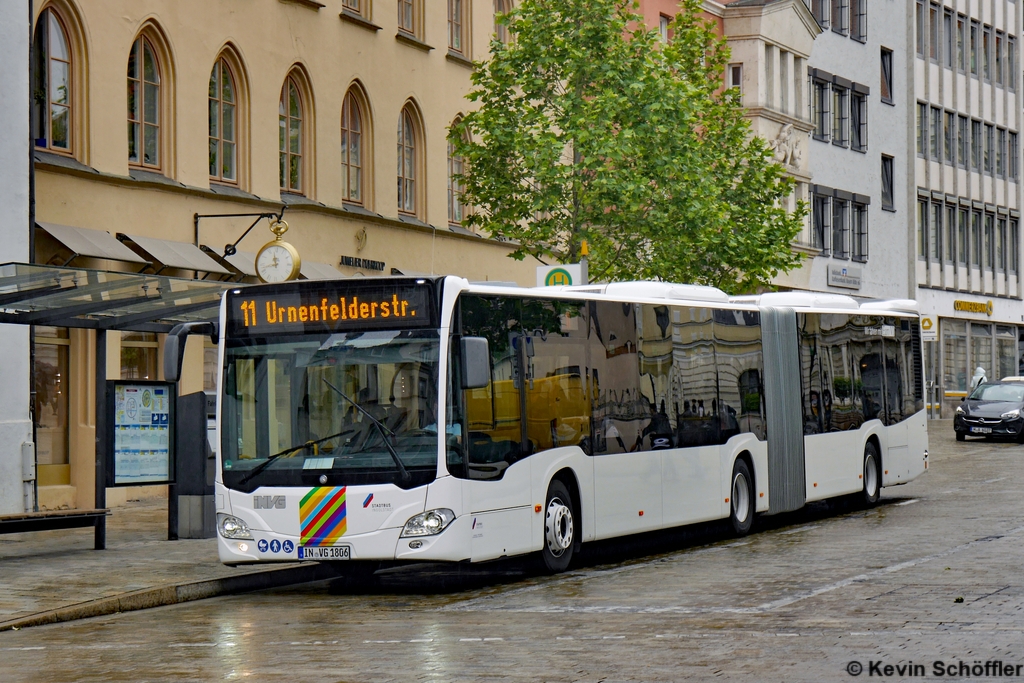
(17,453)
(967,89)
(858,152)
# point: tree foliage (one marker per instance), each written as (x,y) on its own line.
(589,127)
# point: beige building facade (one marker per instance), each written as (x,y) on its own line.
(149,112)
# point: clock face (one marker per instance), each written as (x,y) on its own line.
(275,263)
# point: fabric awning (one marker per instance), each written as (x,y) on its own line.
(90,243)
(242,261)
(170,254)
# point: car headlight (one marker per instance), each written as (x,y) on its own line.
(429,523)
(232,527)
(960,410)
(1011,414)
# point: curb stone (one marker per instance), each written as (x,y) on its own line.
(175,594)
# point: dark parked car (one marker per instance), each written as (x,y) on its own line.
(993,409)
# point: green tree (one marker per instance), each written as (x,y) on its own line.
(589,127)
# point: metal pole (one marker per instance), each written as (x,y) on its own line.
(101,436)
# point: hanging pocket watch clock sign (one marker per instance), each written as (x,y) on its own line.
(277,260)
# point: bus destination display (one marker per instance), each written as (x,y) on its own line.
(329,309)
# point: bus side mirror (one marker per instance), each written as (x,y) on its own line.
(476,362)
(174,346)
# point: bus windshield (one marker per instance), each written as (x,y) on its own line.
(287,419)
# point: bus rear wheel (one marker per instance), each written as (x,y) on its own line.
(559,529)
(742,499)
(872,476)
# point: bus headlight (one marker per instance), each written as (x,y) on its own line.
(429,523)
(232,527)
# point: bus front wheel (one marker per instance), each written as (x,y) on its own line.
(742,499)
(872,477)
(559,528)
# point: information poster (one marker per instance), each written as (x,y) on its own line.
(142,422)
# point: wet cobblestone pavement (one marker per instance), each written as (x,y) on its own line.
(934,573)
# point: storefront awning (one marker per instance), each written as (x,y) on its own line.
(314,270)
(170,254)
(108,300)
(90,243)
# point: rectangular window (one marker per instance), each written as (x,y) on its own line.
(935,232)
(858,121)
(736,76)
(819,8)
(961,42)
(456,22)
(859,248)
(947,37)
(1014,246)
(933,32)
(859,20)
(840,9)
(663,24)
(840,228)
(986,53)
(1011,62)
(920,28)
(886,85)
(999,47)
(976,238)
(1001,153)
(961,237)
(935,135)
(840,120)
(989,153)
(950,236)
(821,217)
(975,30)
(922,228)
(887,183)
(821,114)
(1001,244)
(976,146)
(949,137)
(407,17)
(989,246)
(922,129)
(1013,155)
(962,143)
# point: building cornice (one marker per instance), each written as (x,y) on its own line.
(798,6)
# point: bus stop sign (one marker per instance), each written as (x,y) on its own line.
(561,275)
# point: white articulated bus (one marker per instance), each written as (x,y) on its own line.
(405,419)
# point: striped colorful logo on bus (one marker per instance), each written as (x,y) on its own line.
(322,516)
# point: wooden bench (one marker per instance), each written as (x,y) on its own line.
(51,519)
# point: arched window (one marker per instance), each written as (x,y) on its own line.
(352,149)
(407,134)
(290,117)
(143,105)
(456,167)
(500,29)
(223,123)
(51,84)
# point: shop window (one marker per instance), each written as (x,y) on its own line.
(139,351)
(954,353)
(1006,351)
(51,84)
(981,349)
(50,390)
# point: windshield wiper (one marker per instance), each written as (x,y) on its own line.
(384,432)
(292,449)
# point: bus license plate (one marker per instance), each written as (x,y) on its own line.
(981,430)
(335,552)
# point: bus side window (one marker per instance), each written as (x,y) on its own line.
(810,376)
(612,344)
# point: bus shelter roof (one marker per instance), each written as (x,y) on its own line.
(32,294)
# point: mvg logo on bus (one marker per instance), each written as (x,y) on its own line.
(268,502)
